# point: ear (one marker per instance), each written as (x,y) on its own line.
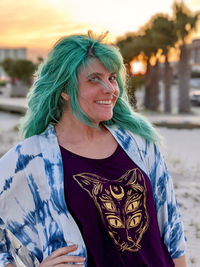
(133,176)
(65,96)
(92,183)
(135,179)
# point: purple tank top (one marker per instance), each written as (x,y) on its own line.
(111,200)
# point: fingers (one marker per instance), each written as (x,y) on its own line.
(64,250)
(60,258)
(68,259)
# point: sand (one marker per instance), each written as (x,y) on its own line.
(182,155)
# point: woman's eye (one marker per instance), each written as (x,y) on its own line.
(94,79)
(113,78)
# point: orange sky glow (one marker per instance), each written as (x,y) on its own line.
(38,24)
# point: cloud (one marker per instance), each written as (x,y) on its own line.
(32,23)
(194,3)
(38,24)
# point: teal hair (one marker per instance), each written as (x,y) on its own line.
(59,74)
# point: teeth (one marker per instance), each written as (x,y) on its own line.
(104,102)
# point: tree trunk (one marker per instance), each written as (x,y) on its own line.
(151,100)
(131,97)
(167,86)
(184,78)
(147,85)
(131,89)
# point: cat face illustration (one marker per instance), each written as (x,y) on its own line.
(122,205)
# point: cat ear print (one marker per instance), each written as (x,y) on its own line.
(129,177)
(132,176)
(88,181)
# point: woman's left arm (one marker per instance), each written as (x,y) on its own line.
(180,262)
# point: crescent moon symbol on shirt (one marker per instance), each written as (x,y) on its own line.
(117,191)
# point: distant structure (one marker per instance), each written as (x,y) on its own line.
(12,53)
(194,60)
(195,54)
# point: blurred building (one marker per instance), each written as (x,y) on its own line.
(12,53)
(195,54)
(194,60)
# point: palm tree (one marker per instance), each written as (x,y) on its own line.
(130,50)
(143,44)
(159,34)
(149,47)
(163,30)
(185,23)
(129,47)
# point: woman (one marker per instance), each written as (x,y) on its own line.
(88,185)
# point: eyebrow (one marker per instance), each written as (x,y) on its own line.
(95,73)
(99,73)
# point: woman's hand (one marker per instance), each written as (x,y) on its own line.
(59,258)
(180,262)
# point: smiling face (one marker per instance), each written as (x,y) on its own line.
(98,91)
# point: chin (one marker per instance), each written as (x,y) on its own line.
(103,119)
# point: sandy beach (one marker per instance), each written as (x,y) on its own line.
(182,155)
(181,152)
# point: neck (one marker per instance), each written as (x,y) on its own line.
(72,130)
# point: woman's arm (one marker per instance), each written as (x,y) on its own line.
(10,265)
(180,262)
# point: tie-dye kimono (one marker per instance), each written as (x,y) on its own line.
(34,219)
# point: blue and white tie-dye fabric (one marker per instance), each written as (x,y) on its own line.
(34,219)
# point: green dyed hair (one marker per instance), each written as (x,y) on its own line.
(59,74)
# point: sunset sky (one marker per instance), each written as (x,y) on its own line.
(38,24)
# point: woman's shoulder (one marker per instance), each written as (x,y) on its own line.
(26,144)
(135,144)
(30,145)
(126,136)
(12,161)
(24,152)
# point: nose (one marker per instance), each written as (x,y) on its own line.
(108,87)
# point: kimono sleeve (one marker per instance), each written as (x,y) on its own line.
(168,213)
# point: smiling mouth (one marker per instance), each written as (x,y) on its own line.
(104,102)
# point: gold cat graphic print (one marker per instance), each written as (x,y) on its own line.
(122,205)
